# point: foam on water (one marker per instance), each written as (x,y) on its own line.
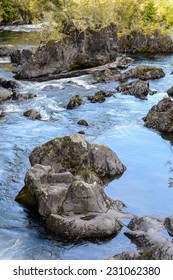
(5,60)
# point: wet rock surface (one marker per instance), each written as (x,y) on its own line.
(138,88)
(1,113)
(82,122)
(145,73)
(160,116)
(65,184)
(23,96)
(90,162)
(170,91)
(6,50)
(80,49)
(100,96)
(9,84)
(5,94)
(32,114)
(147,234)
(138,42)
(74,102)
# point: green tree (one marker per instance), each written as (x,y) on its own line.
(149,12)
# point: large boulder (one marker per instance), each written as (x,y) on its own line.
(138,88)
(160,116)
(91,162)
(72,209)
(65,185)
(80,49)
(139,42)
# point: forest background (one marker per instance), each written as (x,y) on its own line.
(128,15)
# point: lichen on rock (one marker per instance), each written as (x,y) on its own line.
(65,184)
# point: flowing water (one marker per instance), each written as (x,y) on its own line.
(146,187)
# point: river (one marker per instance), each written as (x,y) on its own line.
(146,187)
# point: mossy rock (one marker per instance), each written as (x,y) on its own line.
(74,102)
(26,198)
(32,114)
(100,96)
(82,122)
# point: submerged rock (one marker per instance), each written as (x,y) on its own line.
(160,116)
(65,185)
(33,114)
(138,88)
(74,102)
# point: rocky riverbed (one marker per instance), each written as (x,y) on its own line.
(116,122)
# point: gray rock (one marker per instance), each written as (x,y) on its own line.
(64,185)
(88,225)
(80,49)
(32,114)
(168,223)
(82,122)
(138,42)
(23,96)
(147,234)
(123,62)
(170,91)
(90,162)
(129,255)
(138,88)
(160,116)
(6,50)
(72,209)
(21,56)
(84,198)
(145,73)
(146,223)
(1,113)
(100,96)
(5,94)
(74,102)
(9,84)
